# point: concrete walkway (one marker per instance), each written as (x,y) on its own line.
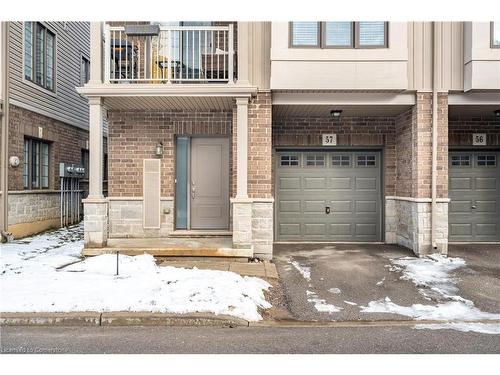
(259,269)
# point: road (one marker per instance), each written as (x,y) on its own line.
(380,339)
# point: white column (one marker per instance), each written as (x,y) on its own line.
(96,148)
(242,147)
(95,53)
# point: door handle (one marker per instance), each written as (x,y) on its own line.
(327,210)
(193,190)
(473,207)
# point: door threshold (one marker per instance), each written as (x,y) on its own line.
(201,233)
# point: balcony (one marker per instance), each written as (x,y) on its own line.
(155,54)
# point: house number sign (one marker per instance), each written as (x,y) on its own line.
(479,139)
(329,140)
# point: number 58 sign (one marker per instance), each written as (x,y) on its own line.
(479,139)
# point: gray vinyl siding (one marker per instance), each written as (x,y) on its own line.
(65,104)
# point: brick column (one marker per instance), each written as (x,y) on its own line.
(408,213)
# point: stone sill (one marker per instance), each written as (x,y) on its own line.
(418,200)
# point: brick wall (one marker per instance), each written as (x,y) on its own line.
(414,148)
(133,136)
(461,130)
(351,131)
(66,143)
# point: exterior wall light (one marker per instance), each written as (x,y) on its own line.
(497,112)
(335,113)
(159,150)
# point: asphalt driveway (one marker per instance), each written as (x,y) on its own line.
(334,282)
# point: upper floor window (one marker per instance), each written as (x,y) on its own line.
(85,70)
(339,34)
(39,55)
(495,34)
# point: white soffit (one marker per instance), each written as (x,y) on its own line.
(169,103)
(349,111)
(340,99)
(474,98)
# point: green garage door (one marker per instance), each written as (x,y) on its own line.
(328,196)
(474,213)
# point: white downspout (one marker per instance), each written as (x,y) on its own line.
(434,135)
(4,186)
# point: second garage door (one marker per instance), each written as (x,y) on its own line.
(328,196)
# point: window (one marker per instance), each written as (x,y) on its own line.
(315,160)
(39,55)
(486,160)
(289,160)
(35,164)
(339,34)
(85,71)
(366,160)
(341,160)
(495,34)
(460,160)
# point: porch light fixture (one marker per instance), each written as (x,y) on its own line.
(159,150)
(335,113)
(497,112)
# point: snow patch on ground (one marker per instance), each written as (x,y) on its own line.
(32,282)
(335,290)
(451,310)
(432,277)
(351,303)
(320,304)
(303,270)
(488,328)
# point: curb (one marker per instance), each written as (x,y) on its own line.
(120,318)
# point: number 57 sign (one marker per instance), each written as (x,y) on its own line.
(479,139)
(329,139)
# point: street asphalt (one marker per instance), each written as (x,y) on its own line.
(243,340)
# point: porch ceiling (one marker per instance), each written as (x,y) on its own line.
(467,111)
(347,110)
(173,102)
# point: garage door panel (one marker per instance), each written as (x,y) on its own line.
(464,206)
(352,191)
(289,183)
(461,229)
(474,210)
(486,183)
(486,229)
(366,207)
(341,183)
(315,207)
(461,183)
(289,206)
(365,183)
(341,207)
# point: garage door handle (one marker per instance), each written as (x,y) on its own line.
(473,207)
(327,210)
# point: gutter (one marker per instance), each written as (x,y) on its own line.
(4,186)
(434,136)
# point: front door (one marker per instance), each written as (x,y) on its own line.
(209,183)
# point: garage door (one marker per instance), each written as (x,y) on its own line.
(328,196)
(474,213)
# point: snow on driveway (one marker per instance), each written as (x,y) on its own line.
(432,277)
(32,281)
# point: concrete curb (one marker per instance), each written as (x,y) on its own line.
(120,318)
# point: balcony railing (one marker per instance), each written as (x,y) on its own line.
(173,54)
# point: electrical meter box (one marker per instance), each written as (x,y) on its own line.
(71,170)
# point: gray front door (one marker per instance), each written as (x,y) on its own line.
(328,196)
(209,188)
(474,185)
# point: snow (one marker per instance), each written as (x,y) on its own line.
(320,304)
(303,270)
(432,277)
(488,328)
(351,303)
(451,310)
(335,290)
(32,281)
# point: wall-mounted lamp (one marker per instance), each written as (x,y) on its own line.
(497,112)
(335,113)
(159,149)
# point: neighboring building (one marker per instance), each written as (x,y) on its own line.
(48,120)
(306,131)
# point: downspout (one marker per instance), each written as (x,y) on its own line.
(434,134)
(5,132)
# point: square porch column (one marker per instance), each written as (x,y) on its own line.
(95,207)
(241,204)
